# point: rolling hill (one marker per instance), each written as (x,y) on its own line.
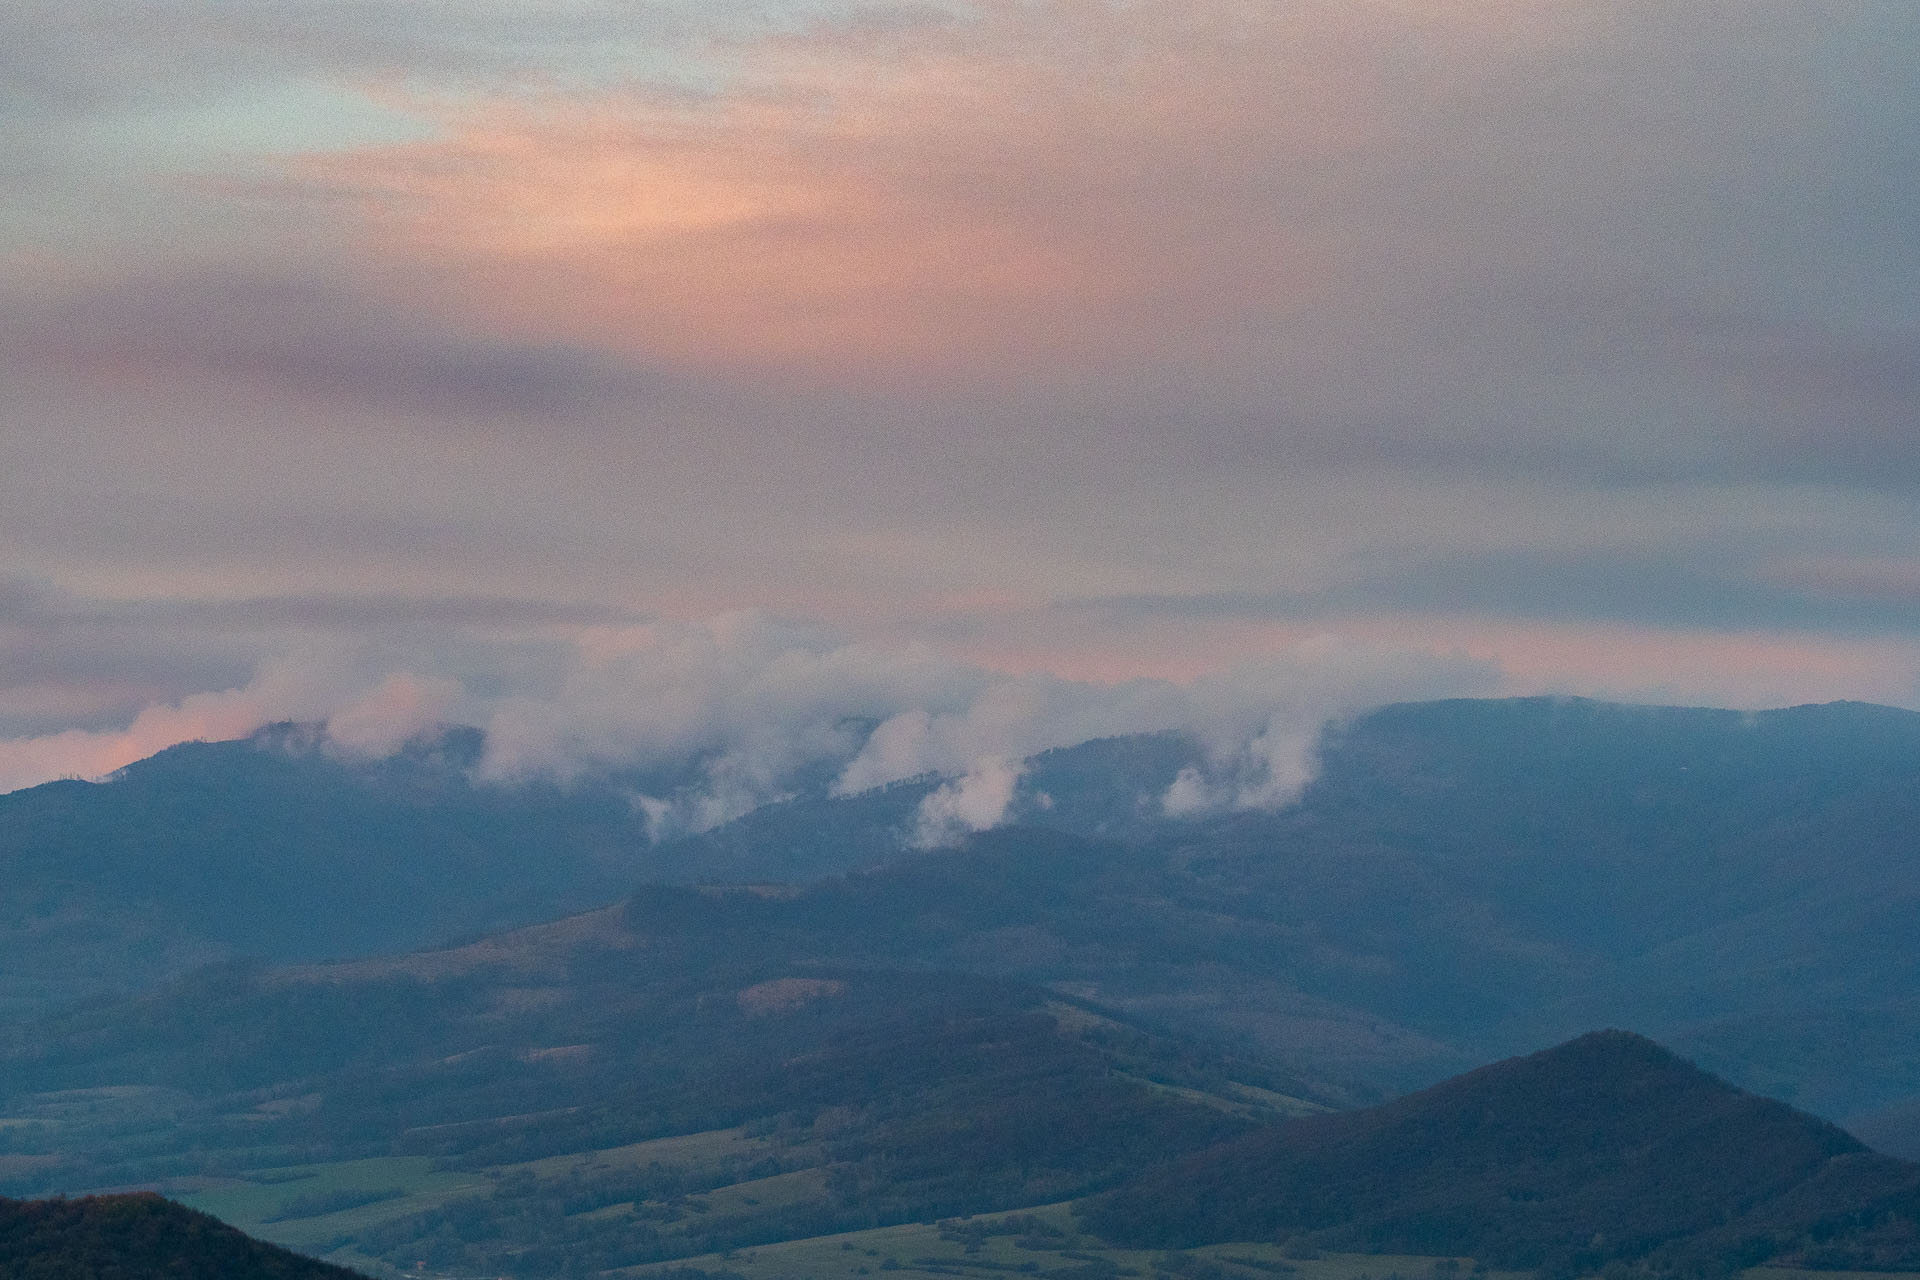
(130,1236)
(1605,1149)
(281,848)
(619,1088)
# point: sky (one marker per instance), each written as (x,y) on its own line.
(635,377)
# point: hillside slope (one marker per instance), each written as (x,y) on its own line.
(1463,880)
(281,848)
(1606,1148)
(613,1089)
(130,1236)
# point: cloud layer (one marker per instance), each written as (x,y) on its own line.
(1050,354)
(753,705)
(759,703)
(1576,235)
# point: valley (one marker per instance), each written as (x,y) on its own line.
(744,1077)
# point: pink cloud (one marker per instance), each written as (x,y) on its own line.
(229,713)
(382,720)
(1038,183)
(370,722)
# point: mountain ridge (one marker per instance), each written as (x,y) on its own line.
(1461,881)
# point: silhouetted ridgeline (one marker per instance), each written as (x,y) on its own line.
(138,1237)
(1605,1149)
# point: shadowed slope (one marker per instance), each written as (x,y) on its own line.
(1605,1148)
(138,1236)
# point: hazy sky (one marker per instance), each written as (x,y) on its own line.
(634,375)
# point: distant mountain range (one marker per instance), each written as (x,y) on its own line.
(1463,880)
(283,848)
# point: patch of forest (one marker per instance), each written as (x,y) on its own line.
(98,1237)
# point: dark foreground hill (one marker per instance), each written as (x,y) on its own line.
(137,1237)
(1606,1149)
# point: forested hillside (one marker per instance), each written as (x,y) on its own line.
(134,1237)
(1606,1149)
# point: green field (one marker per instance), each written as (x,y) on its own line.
(1044,1242)
(1041,1242)
(257,1202)
(697,1151)
(288,1204)
(942,1251)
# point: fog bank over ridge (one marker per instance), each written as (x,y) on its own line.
(760,702)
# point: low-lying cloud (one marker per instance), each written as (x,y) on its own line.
(728,714)
(1264,772)
(278,692)
(762,702)
(978,800)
